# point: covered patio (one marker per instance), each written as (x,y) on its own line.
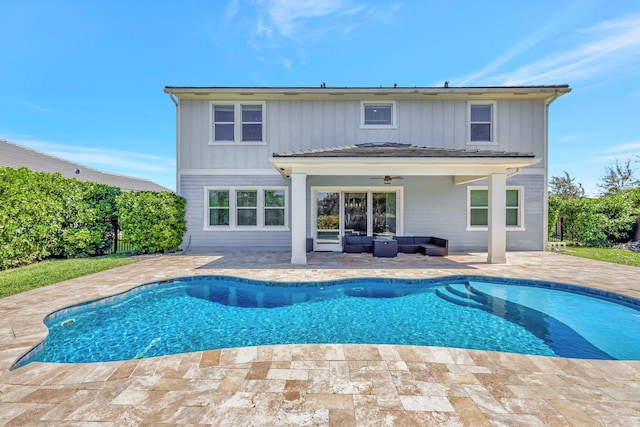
(395,159)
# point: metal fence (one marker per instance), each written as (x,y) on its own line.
(557,235)
(120,245)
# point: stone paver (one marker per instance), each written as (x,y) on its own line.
(316,385)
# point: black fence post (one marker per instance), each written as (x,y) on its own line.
(115,240)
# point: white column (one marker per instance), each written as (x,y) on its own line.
(299,218)
(497,248)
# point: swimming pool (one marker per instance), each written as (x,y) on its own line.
(475,312)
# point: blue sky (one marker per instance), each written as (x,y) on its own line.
(84,80)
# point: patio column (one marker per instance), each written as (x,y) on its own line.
(299,218)
(497,219)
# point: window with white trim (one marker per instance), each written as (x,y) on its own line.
(378,114)
(239,122)
(256,208)
(481,122)
(478,208)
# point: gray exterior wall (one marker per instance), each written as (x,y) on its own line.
(197,239)
(433,205)
(295,125)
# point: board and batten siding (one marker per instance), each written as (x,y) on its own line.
(198,239)
(432,206)
(297,125)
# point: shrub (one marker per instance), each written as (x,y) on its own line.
(45,215)
(89,219)
(31,212)
(596,222)
(328,222)
(554,206)
(151,222)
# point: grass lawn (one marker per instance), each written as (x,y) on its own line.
(617,256)
(53,271)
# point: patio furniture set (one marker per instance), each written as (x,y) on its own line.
(391,246)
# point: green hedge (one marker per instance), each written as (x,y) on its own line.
(597,222)
(45,215)
(152,222)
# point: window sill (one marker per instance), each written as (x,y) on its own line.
(251,229)
(487,229)
(238,143)
(484,143)
(378,127)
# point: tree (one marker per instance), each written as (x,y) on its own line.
(618,178)
(565,188)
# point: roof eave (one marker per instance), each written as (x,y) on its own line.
(423,166)
(350,93)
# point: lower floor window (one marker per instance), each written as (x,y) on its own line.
(478,207)
(250,208)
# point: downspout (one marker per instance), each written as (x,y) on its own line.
(176,102)
(545,217)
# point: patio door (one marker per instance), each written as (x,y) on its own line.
(355,213)
(327,226)
(338,213)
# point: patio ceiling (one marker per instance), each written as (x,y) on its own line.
(465,165)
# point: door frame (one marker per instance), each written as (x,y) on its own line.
(349,189)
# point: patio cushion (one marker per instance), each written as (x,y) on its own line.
(405,240)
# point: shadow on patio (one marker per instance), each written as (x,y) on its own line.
(337,260)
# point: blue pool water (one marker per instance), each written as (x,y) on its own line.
(209,312)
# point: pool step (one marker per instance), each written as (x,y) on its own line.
(461,294)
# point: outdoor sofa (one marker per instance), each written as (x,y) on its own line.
(433,246)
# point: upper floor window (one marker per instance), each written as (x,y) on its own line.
(237,122)
(223,122)
(482,122)
(378,114)
(478,208)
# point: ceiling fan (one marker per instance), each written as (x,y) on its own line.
(387,179)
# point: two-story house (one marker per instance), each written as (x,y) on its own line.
(273,169)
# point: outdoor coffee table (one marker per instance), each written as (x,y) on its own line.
(384,248)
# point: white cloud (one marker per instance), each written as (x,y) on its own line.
(632,148)
(35,107)
(278,23)
(286,15)
(129,163)
(602,50)
(610,46)
(511,53)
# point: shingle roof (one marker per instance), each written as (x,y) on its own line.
(16,156)
(394,149)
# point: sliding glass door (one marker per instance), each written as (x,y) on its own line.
(384,213)
(355,213)
(327,226)
(364,213)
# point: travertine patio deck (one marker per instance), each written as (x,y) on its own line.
(336,385)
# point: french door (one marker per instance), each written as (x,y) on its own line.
(361,212)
